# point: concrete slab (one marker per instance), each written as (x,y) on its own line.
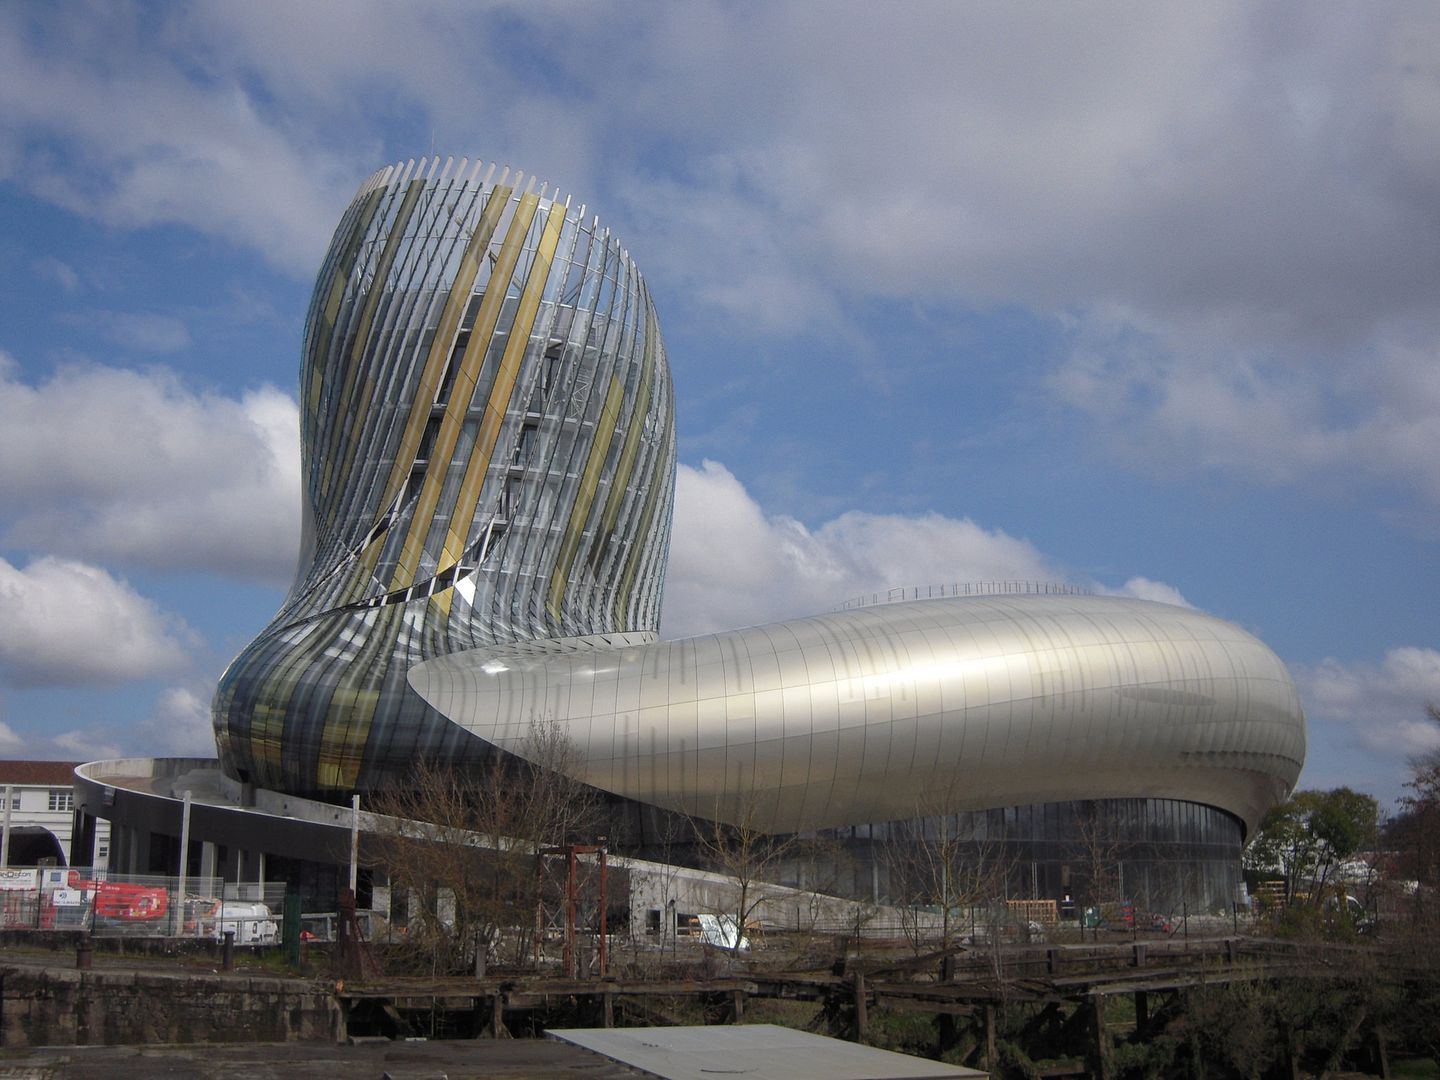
(754,1051)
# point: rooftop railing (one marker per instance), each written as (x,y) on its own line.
(965,588)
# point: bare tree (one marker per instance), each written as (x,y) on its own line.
(674,833)
(749,855)
(1416,829)
(464,846)
(942,860)
(1101,855)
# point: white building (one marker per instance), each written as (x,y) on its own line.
(38,822)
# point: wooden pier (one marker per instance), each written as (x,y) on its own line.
(1062,985)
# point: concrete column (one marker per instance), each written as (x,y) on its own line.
(82,839)
(226,867)
(207,861)
(120,845)
(177,918)
(135,857)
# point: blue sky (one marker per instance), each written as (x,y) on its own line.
(1139,297)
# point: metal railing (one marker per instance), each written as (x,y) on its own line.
(965,588)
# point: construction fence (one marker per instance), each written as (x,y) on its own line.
(139,905)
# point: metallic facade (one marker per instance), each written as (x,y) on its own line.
(489,458)
(488,453)
(903,710)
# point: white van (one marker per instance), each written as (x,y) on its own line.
(252,923)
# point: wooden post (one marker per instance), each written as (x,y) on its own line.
(344,924)
(1138,954)
(737,1006)
(1337,1054)
(607,1001)
(1383,1053)
(604,923)
(497,1017)
(1103,1065)
(945,1037)
(1052,961)
(1292,1058)
(862,1018)
(991,1058)
(570,904)
(1142,1012)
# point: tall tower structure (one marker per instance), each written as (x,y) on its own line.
(487,432)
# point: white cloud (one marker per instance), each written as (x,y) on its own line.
(103,120)
(1262,168)
(1142,588)
(1249,191)
(179,724)
(141,332)
(1380,707)
(733,565)
(58,271)
(1231,205)
(115,465)
(70,624)
(1208,165)
(10,742)
(85,746)
(1168,407)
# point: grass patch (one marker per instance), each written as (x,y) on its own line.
(1415,1069)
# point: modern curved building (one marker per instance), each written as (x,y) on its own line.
(878,713)
(489,459)
(488,455)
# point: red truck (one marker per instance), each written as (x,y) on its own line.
(124,902)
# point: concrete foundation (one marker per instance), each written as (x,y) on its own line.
(47,1007)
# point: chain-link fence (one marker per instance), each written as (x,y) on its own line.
(140,905)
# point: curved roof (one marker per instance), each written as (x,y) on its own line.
(876,714)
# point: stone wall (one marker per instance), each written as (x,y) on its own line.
(49,1007)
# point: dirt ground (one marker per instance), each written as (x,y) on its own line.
(471,1059)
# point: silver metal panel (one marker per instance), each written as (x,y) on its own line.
(870,715)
